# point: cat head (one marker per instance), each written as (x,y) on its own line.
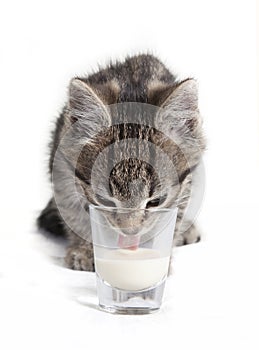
(133,155)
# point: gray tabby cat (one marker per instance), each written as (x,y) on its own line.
(143,79)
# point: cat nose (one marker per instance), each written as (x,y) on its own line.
(129,224)
(130,230)
(130,227)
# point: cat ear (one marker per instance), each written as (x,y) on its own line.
(183,97)
(179,110)
(86,108)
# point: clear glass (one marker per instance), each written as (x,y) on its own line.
(132,249)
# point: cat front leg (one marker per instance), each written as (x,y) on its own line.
(191,235)
(186,233)
(80,255)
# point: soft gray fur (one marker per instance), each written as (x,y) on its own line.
(132,182)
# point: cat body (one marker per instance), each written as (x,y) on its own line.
(167,122)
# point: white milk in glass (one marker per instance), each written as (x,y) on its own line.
(131,269)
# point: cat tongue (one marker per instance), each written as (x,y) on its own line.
(129,241)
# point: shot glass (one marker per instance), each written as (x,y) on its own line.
(132,249)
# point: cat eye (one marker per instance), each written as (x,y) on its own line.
(104,201)
(155,202)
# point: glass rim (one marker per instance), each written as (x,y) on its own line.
(107,208)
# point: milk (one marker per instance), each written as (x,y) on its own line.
(131,269)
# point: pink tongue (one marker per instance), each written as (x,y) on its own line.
(129,242)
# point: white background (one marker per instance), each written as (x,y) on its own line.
(212,300)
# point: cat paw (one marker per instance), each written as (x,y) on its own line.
(191,235)
(80,258)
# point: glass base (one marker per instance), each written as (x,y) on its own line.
(124,302)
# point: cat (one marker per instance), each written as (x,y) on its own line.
(145,81)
